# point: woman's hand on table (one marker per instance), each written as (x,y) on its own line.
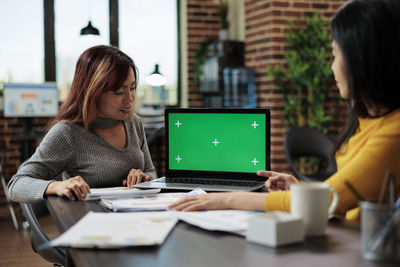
(73,188)
(236,200)
(277,181)
(213,201)
(221,201)
(135,176)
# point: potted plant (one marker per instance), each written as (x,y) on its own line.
(307,76)
(305,80)
(200,57)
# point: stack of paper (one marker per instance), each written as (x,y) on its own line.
(118,192)
(115,230)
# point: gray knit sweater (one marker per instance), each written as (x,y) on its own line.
(72,150)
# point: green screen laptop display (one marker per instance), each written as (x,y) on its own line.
(222,141)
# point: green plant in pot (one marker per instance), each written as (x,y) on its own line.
(200,57)
(305,80)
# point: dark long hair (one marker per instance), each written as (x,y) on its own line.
(368,34)
(99,69)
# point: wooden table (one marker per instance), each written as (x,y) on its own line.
(191,246)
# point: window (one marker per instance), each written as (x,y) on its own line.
(148,32)
(70,17)
(22,44)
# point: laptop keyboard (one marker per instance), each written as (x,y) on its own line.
(211,182)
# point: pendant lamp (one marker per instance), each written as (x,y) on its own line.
(156,78)
(90,30)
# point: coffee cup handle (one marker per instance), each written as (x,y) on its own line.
(334,202)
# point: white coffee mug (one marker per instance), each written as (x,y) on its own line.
(311,202)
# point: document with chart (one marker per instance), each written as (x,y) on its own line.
(117,230)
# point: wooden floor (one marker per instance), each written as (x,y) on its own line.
(15,246)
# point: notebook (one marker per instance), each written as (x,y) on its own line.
(214,149)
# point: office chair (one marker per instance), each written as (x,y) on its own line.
(153,123)
(32,212)
(4,185)
(308,142)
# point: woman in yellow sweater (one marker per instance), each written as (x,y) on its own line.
(366,66)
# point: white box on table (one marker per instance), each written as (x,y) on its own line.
(275,229)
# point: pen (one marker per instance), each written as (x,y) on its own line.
(354,191)
(388,182)
(391,218)
(384,187)
(392,189)
(392,198)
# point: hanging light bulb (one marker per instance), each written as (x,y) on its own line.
(89,29)
(156,78)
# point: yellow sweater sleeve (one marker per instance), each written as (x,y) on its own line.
(363,161)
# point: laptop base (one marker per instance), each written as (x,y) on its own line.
(161,183)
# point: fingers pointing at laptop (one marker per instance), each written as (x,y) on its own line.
(135,176)
(277,181)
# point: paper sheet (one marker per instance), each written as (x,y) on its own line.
(118,192)
(234,221)
(115,230)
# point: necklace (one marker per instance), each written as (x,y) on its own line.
(104,123)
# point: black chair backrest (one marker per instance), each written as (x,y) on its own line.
(309,142)
(153,123)
(31,213)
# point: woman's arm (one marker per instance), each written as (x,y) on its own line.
(220,201)
(52,156)
(237,200)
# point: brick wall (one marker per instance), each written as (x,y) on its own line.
(202,24)
(9,127)
(266,24)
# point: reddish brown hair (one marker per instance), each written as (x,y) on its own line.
(99,69)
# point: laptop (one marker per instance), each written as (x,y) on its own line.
(214,149)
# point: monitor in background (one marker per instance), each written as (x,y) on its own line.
(30,100)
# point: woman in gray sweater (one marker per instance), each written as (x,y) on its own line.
(96,140)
